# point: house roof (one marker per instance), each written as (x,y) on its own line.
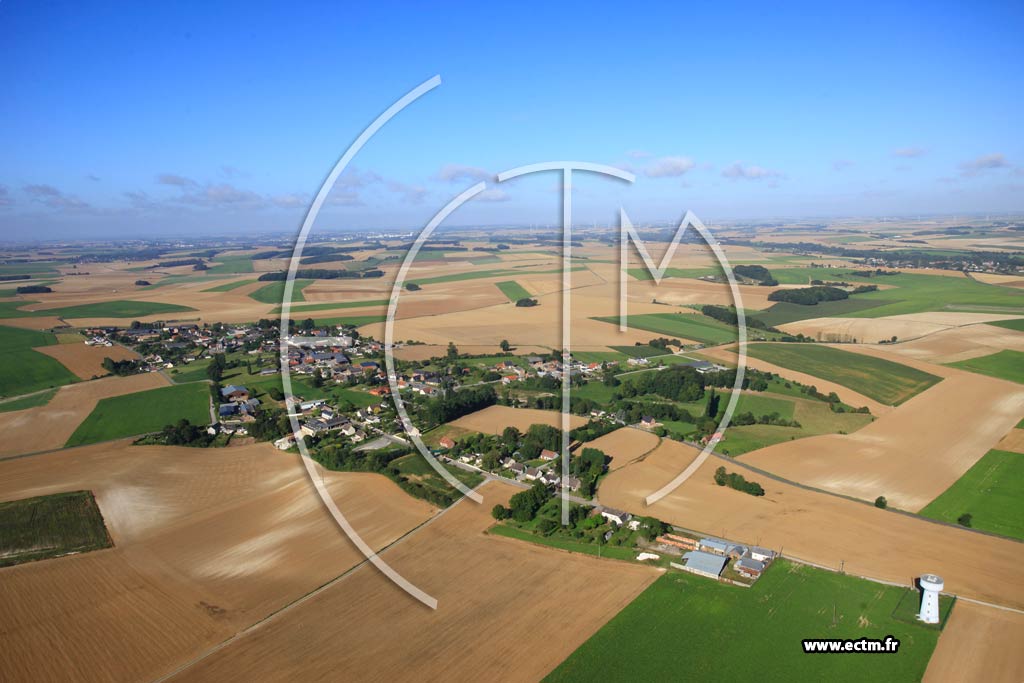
(714,543)
(232,388)
(705,562)
(751,563)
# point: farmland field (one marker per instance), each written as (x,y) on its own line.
(143,412)
(697,327)
(990,492)
(115,309)
(274,292)
(1016,324)
(732,633)
(23,370)
(784,312)
(1004,365)
(228,286)
(50,526)
(885,381)
(513,290)
(39,398)
(332,305)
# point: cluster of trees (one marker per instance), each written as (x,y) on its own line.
(455,404)
(412,287)
(121,368)
(727,315)
(34,289)
(526,302)
(184,433)
(758,273)
(662,343)
(808,296)
(179,262)
(12,278)
(588,466)
(734,480)
(524,506)
(748,418)
(320,274)
(142,283)
(325,258)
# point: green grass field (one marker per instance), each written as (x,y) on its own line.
(615,552)
(417,469)
(40,398)
(1017,324)
(640,351)
(332,306)
(914,293)
(599,356)
(230,265)
(228,286)
(990,491)
(691,273)
(697,327)
(50,526)
(143,412)
(513,290)
(783,312)
(274,292)
(885,381)
(24,371)
(686,627)
(353,320)
(478,274)
(115,309)
(1004,365)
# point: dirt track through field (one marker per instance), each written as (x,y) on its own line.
(911,454)
(979,644)
(86,361)
(207,542)
(823,529)
(509,607)
(494,419)
(50,426)
(848,396)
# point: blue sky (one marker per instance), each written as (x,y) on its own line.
(145,118)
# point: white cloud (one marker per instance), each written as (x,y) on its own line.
(909,152)
(175,180)
(412,194)
(986,162)
(50,196)
(457,172)
(638,154)
(493,195)
(669,167)
(737,170)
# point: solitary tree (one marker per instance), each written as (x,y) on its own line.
(499,512)
(505,346)
(965,519)
(881,502)
(453,351)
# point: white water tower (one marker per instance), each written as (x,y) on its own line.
(931,586)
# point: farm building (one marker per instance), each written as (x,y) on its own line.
(704,564)
(714,545)
(446,442)
(548,454)
(749,567)
(235,393)
(677,541)
(617,516)
(762,554)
